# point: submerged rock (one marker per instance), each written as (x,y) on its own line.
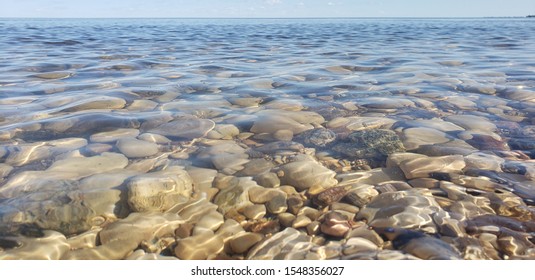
(377,143)
(304,175)
(420,245)
(159,191)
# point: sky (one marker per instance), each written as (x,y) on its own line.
(264,8)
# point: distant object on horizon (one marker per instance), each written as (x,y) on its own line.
(530,16)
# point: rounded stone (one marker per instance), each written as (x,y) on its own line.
(134,148)
(242,242)
(199,247)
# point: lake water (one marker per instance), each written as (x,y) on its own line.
(267,138)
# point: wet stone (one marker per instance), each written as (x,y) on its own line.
(377,143)
(421,245)
(304,175)
(159,191)
(242,242)
(51,246)
(402,209)
(422,167)
(287,244)
(134,148)
(318,137)
(235,197)
(335,224)
(187,128)
(199,247)
(114,135)
(255,212)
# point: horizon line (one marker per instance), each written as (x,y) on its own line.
(359,17)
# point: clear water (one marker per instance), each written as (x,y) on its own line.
(53,72)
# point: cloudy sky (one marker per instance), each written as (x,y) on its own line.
(265,8)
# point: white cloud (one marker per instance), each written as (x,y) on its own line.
(330,4)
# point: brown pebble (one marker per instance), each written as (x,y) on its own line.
(301,221)
(329,196)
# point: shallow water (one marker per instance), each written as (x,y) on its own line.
(100,119)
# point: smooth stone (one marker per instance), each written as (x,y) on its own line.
(134,148)
(235,197)
(335,224)
(226,131)
(268,180)
(301,221)
(283,135)
(484,161)
(285,104)
(142,105)
(205,105)
(141,227)
(415,137)
(212,221)
(287,244)
(256,166)
(96,149)
(194,210)
(5,169)
(271,121)
(114,135)
(372,177)
(304,175)
(51,246)
(263,195)
(471,122)
(159,191)
(422,167)
(360,123)
(202,178)
(101,102)
(84,240)
(85,166)
(271,124)
(242,242)
(413,208)
(357,244)
(394,160)
(363,231)
(310,212)
(385,103)
(421,245)
(345,207)
(424,183)
(313,228)
(199,247)
(255,212)
(245,101)
(229,229)
(154,138)
(23,154)
(434,124)
(286,219)
(225,156)
(53,75)
(187,127)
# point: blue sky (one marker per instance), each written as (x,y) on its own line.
(265,8)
